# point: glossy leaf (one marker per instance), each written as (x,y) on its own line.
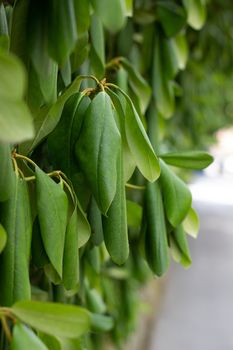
(97,51)
(3,238)
(25,338)
(156,243)
(138,84)
(196,10)
(52,206)
(62,30)
(195,160)
(53,318)
(139,143)
(7,175)
(176,195)
(14,261)
(112,14)
(172,17)
(191,223)
(115,224)
(97,150)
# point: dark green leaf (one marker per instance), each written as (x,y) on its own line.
(181,242)
(53,318)
(24,338)
(176,195)
(195,160)
(62,30)
(7,176)
(97,150)
(52,206)
(3,21)
(172,17)
(156,244)
(112,14)
(84,229)
(39,256)
(134,213)
(115,224)
(97,52)
(82,13)
(14,260)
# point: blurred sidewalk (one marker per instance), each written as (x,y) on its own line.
(196,311)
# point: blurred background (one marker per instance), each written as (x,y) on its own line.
(196,305)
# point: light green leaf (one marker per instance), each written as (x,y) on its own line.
(180,240)
(84,229)
(52,206)
(15,216)
(101,323)
(25,338)
(129,7)
(97,150)
(3,238)
(156,243)
(139,143)
(172,17)
(7,175)
(95,219)
(115,224)
(112,14)
(134,213)
(196,10)
(181,50)
(82,13)
(176,195)
(53,318)
(138,84)
(62,29)
(195,160)
(97,51)
(191,223)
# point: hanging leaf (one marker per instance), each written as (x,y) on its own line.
(112,14)
(62,29)
(134,213)
(115,224)
(3,238)
(138,84)
(97,150)
(101,323)
(139,143)
(7,175)
(196,160)
(84,229)
(181,243)
(3,21)
(53,318)
(196,10)
(172,17)
(82,13)
(156,244)
(191,223)
(39,256)
(15,216)
(94,216)
(176,195)
(181,50)
(25,338)
(52,206)
(97,51)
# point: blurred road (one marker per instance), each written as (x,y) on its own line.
(196,311)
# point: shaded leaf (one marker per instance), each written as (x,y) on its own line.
(53,318)
(97,50)
(172,17)
(134,213)
(181,242)
(3,238)
(7,175)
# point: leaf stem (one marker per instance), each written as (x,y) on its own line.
(6,328)
(20,156)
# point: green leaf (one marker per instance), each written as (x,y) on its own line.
(172,17)
(15,216)
(84,229)
(82,13)
(53,318)
(181,242)
(115,224)
(48,117)
(62,140)
(196,10)
(181,50)
(52,206)
(195,160)
(138,84)
(94,217)
(94,301)
(129,7)
(134,214)
(191,223)
(156,244)
(176,195)
(139,143)
(3,238)
(24,338)
(101,323)
(3,21)
(97,51)
(7,175)
(62,30)
(39,256)
(97,150)
(112,14)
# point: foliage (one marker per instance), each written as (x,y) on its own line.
(89,209)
